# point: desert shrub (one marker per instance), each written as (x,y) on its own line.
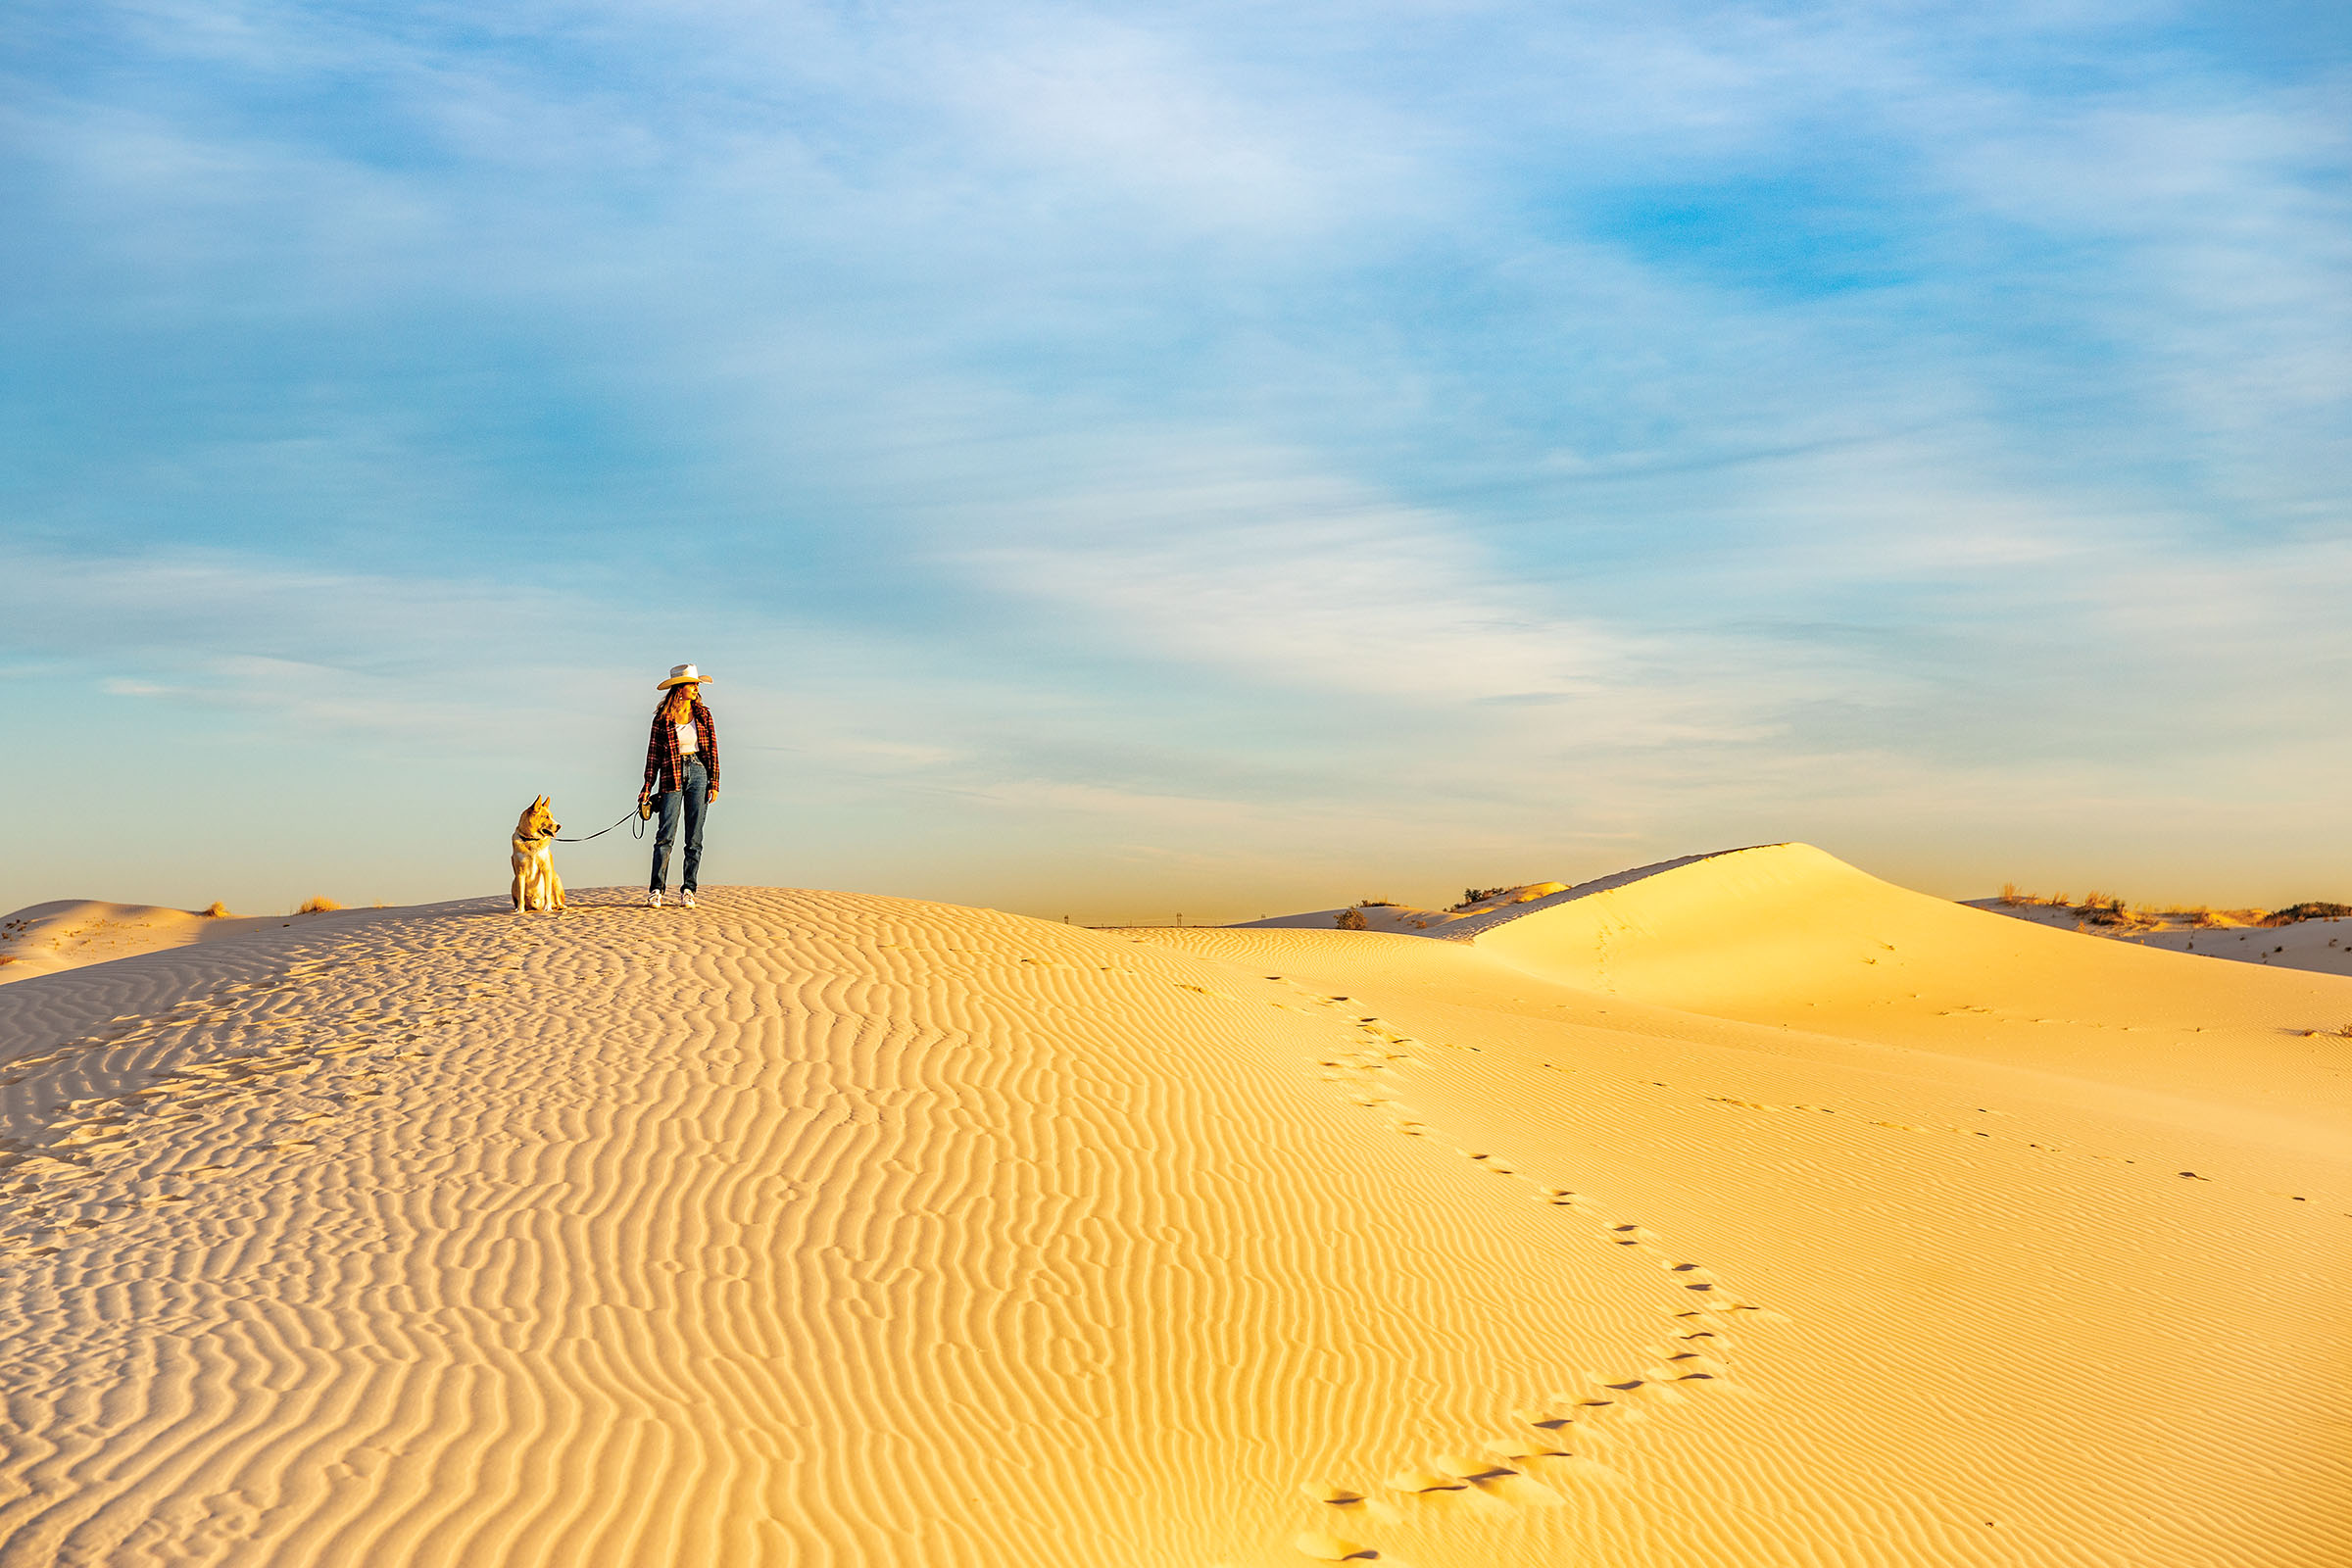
(1472,896)
(1376,904)
(216,910)
(2013,896)
(1349,920)
(2308,911)
(2102,909)
(315,905)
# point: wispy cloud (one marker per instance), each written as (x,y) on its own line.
(1623,424)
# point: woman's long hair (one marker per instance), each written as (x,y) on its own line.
(676,707)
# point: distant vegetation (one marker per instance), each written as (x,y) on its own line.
(216,909)
(1349,920)
(315,905)
(2103,908)
(1472,896)
(2107,909)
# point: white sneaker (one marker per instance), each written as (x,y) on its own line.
(653,899)
(687,898)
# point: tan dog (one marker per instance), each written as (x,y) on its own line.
(536,885)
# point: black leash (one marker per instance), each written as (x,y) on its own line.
(601,831)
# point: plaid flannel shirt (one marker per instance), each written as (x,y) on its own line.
(665,769)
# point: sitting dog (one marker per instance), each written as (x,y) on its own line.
(536,885)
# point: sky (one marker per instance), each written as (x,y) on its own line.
(1202,459)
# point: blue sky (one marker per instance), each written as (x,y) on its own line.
(1121,460)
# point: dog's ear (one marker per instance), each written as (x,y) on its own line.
(541,801)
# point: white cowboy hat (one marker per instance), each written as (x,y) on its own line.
(681,676)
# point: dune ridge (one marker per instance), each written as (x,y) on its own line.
(813,1227)
(1788,935)
(69,933)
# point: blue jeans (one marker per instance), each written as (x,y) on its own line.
(695,796)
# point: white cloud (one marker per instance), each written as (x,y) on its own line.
(901,288)
(1285,579)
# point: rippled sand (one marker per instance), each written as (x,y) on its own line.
(1752,1211)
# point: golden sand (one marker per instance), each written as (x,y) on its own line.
(1752,1211)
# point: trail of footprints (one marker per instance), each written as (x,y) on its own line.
(1559,1435)
(1965,1132)
(252,1057)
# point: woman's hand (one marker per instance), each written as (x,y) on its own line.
(713,796)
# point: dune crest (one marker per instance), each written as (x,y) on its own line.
(1788,935)
(71,933)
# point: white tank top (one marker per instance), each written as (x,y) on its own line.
(687,744)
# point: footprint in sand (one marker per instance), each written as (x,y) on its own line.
(1470,1466)
(1685,1363)
(1525,1491)
(1516,1448)
(1657,1390)
(1584,1434)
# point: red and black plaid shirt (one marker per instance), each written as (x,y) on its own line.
(664,768)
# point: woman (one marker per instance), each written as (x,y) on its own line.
(681,764)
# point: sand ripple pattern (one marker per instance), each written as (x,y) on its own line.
(821,1229)
(796,1229)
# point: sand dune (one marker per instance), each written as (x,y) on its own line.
(1693,1221)
(1463,922)
(69,933)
